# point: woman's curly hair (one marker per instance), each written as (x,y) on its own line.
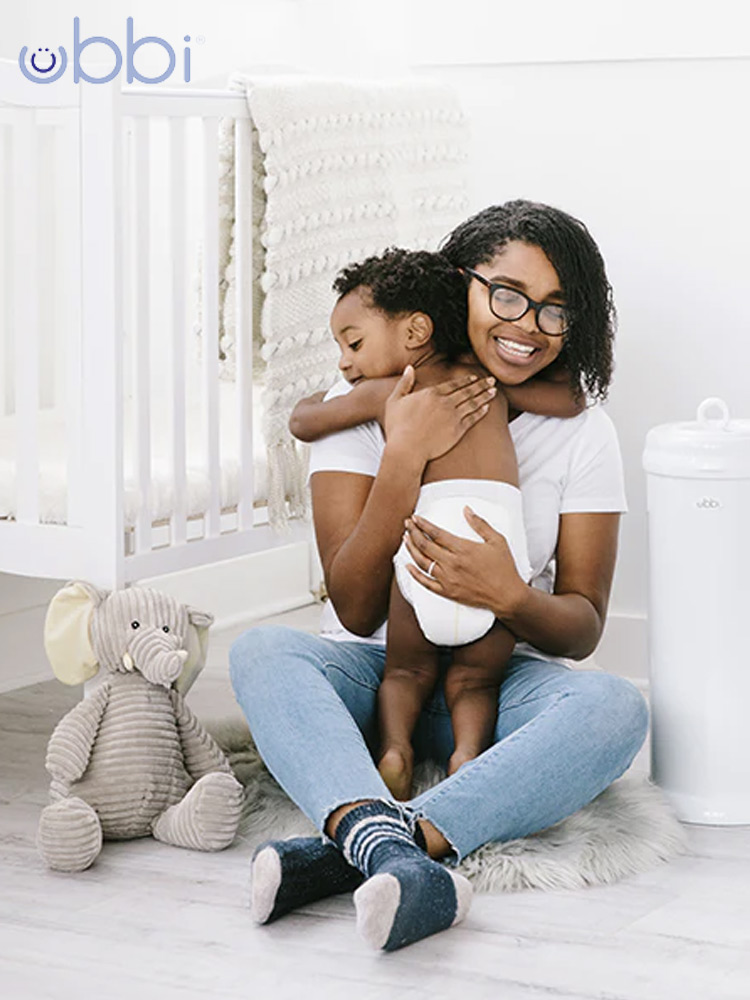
(588,346)
(405,281)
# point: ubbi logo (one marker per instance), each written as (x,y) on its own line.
(44,63)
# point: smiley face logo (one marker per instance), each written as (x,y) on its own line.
(43,62)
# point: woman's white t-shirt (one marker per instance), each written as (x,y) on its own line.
(565,466)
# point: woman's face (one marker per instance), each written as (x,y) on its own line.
(514,351)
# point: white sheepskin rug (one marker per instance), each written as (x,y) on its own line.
(627,829)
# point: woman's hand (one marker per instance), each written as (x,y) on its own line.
(480,574)
(430,421)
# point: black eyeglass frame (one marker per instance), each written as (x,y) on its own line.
(531,304)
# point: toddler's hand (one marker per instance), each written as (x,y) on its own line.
(430,421)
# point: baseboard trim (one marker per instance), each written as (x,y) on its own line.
(23,660)
(247,588)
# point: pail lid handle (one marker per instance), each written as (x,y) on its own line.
(706,405)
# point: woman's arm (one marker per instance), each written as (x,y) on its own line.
(359,521)
(312,418)
(568,622)
(551,396)
(358,527)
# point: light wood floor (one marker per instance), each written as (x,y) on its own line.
(151,921)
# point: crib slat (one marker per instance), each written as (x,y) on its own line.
(243,169)
(142,387)
(64,129)
(210,284)
(102,350)
(25,313)
(68,279)
(177,159)
(48,316)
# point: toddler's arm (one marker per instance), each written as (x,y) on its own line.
(312,418)
(549,396)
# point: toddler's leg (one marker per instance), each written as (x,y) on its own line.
(411,672)
(472,683)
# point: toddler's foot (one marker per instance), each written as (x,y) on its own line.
(287,874)
(407,896)
(396,767)
(460,756)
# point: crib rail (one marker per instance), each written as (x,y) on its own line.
(133,204)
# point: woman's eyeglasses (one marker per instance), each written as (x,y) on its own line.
(510,305)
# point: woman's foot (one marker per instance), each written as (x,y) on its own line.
(287,874)
(407,896)
(396,767)
(405,904)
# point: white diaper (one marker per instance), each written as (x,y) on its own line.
(444,622)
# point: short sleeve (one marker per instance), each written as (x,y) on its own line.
(595,481)
(358,449)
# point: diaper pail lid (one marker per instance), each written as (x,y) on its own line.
(710,447)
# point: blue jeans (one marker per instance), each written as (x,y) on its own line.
(562,736)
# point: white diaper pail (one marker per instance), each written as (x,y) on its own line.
(698,489)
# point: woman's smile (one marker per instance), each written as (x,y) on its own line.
(515,350)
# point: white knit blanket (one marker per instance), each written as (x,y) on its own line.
(341,170)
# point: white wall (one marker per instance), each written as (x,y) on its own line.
(488,32)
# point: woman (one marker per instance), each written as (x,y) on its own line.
(561,736)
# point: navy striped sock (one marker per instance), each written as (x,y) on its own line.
(287,874)
(407,895)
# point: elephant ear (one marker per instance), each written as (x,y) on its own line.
(199,623)
(67,639)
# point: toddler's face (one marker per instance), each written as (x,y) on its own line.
(372,344)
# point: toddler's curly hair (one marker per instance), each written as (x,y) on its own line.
(405,281)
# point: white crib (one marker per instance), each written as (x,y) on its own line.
(122,455)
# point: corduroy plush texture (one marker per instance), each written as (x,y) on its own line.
(131,760)
(629,828)
(341,170)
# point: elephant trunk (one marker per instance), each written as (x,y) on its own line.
(154,654)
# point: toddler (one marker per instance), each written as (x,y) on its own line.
(409,308)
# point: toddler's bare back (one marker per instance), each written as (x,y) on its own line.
(486,450)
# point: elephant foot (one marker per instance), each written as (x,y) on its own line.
(206,819)
(69,836)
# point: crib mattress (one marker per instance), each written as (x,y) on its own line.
(53,464)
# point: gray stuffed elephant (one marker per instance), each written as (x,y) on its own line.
(131,759)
